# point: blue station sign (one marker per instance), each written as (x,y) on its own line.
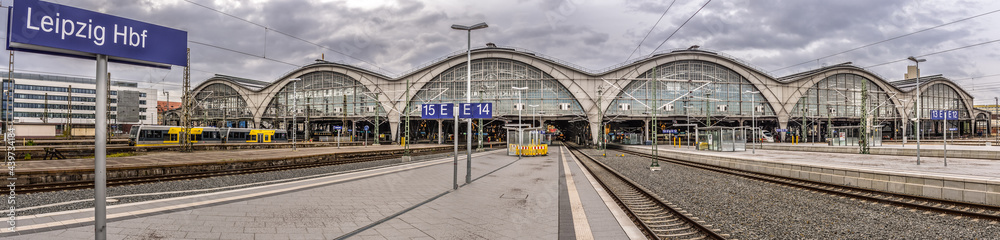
(447,111)
(475,110)
(43,27)
(437,111)
(944,115)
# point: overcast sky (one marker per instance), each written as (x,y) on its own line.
(397,36)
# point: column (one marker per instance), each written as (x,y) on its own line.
(645,131)
(394,122)
(440,137)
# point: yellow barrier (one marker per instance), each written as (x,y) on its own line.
(529,150)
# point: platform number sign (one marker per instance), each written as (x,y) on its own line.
(475,110)
(437,111)
(944,115)
(465,110)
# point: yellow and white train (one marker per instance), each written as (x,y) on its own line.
(152,135)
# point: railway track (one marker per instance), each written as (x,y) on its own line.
(864,195)
(657,218)
(50,187)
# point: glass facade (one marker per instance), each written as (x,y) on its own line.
(218,102)
(941,97)
(496,79)
(839,96)
(324,94)
(725,94)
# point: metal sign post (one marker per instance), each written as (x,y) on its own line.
(945,115)
(455,162)
(100,150)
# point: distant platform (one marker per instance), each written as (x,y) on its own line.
(972,180)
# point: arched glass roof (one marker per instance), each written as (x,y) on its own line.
(724,95)
(839,96)
(219,101)
(324,94)
(941,97)
(495,78)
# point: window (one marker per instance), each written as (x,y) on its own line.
(142,102)
(142,94)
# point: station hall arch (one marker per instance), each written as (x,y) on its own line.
(836,101)
(220,105)
(327,100)
(685,91)
(493,80)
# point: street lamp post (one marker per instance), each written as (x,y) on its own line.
(917,61)
(480,128)
(532,120)
(468,95)
(295,109)
(600,120)
(377,123)
(687,131)
(753,119)
(520,130)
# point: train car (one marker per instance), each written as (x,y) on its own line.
(237,135)
(152,135)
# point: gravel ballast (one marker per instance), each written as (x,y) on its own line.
(752,209)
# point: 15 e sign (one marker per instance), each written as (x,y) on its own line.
(56,29)
(437,111)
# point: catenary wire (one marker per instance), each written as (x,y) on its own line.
(266,28)
(886,40)
(650,30)
(938,52)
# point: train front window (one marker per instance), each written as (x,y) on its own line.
(132,132)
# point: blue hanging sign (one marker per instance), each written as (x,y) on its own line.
(49,28)
(475,110)
(437,111)
(944,114)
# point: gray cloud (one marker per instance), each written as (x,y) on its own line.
(401,35)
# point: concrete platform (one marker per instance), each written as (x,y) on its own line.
(964,179)
(508,199)
(910,149)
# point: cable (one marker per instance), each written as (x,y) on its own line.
(650,30)
(679,28)
(886,40)
(636,67)
(935,53)
(244,53)
(266,28)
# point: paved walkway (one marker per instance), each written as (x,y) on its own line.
(957,167)
(508,199)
